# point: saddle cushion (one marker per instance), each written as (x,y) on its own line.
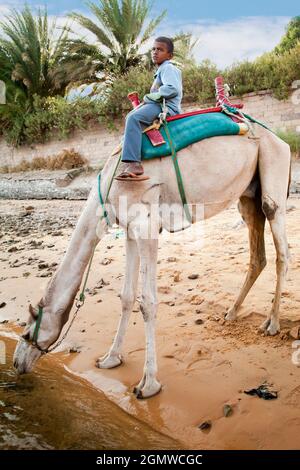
(188,130)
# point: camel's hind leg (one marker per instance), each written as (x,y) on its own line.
(274,171)
(254,217)
(271,325)
(128,296)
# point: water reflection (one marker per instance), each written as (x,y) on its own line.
(50,409)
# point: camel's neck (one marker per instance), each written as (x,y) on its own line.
(63,287)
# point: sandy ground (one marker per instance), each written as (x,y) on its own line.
(204,364)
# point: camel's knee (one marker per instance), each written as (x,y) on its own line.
(259,264)
(127,300)
(269,207)
(148,308)
(282,264)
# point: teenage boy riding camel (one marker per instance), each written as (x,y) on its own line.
(167,85)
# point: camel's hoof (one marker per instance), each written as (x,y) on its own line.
(231,314)
(109,362)
(273,329)
(147,391)
(269,328)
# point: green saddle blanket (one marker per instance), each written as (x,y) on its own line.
(187,131)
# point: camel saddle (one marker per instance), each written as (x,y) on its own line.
(188,128)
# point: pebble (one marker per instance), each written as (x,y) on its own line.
(205,426)
(227,410)
(43,265)
(295,332)
(12,249)
(196,300)
(106,261)
(74,349)
(2,304)
(193,276)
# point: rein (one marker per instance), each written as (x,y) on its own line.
(79,302)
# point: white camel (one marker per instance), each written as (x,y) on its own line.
(216,172)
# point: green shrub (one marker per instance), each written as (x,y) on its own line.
(46,117)
(137,79)
(293,139)
(198,82)
(55,114)
(268,71)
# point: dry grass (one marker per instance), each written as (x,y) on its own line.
(65,160)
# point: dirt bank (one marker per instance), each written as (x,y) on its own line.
(204,364)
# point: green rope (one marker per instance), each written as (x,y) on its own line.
(236,111)
(37,325)
(82,295)
(178,175)
(257,122)
(105,214)
(102,202)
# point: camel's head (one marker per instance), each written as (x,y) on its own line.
(42,329)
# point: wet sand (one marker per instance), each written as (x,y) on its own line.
(204,363)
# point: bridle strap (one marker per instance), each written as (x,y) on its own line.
(37,325)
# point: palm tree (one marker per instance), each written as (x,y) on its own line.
(183,48)
(31,53)
(119,30)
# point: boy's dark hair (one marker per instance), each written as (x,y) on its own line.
(169,43)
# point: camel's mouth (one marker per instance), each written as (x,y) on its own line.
(25,357)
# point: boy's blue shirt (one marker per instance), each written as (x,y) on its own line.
(168,84)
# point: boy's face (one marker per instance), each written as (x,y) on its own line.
(160,53)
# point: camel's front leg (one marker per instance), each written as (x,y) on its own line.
(149,385)
(128,296)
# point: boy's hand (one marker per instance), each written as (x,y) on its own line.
(156,97)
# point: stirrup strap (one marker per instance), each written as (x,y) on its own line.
(178,175)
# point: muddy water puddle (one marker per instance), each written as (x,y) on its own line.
(51,409)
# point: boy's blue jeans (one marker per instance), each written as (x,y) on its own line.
(136,121)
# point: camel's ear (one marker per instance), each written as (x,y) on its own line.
(33,312)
